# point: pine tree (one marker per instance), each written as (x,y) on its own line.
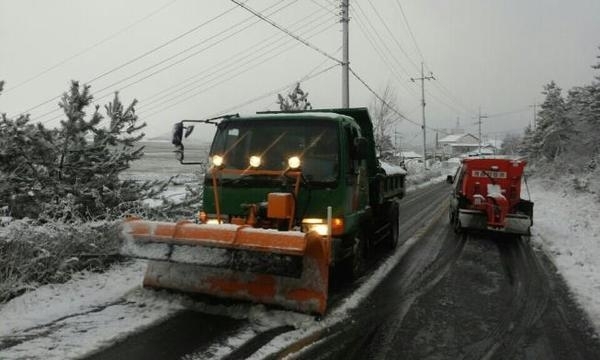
(73,171)
(554,126)
(297,100)
(526,145)
(510,144)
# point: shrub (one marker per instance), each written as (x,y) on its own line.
(32,255)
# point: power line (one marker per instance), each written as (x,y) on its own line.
(392,34)
(438,84)
(225,71)
(410,31)
(390,52)
(140,56)
(371,40)
(170,58)
(307,77)
(231,77)
(380,98)
(332,11)
(272,23)
(510,112)
(110,37)
(390,106)
(217,42)
(252,49)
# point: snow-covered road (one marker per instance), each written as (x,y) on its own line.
(95,310)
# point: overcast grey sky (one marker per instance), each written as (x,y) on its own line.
(195,59)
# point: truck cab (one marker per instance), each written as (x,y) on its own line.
(324,159)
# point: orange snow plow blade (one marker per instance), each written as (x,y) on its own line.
(286,268)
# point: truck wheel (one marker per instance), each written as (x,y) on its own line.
(354,266)
(456,225)
(392,239)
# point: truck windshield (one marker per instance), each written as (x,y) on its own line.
(316,143)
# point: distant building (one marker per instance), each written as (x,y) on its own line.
(457,144)
(410,155)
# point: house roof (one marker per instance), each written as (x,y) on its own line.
(410,155)
(457,137)
(465,145)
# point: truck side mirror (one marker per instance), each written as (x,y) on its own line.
(360,148)
(450,179)
(177,140)
(177,134)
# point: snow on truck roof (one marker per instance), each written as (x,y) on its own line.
(392,169)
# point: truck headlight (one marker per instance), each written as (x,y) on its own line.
(320,226)
(255,161)
(217,160)
(294,162)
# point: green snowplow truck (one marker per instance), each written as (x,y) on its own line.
(287,196)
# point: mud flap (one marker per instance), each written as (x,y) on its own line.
(477,220)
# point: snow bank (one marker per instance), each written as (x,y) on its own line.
(566,226)
(91,311)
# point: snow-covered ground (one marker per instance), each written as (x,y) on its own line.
(567,228)
(93,310)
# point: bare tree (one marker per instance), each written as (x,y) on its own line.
(384,115)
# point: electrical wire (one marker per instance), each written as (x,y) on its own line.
(167,59)
(307,77)
(254,49)
(190,96)
(76,55)
(370,39)
(391,107)
(384,23)
(166,43)
(272,23)
(412,36)
(225,68)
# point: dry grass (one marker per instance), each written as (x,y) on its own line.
(34,255)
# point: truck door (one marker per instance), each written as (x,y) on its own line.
(356,174)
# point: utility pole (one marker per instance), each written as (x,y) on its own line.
(479,123)
(345,56)
(423,78)
(397,145)
(534,106)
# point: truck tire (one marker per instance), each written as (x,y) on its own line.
(456,225)
(354,266)
(394,213)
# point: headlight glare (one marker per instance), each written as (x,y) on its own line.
(255,161)
(294,162)
(217,160)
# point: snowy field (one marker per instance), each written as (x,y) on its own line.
(93,311)
(159,163)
